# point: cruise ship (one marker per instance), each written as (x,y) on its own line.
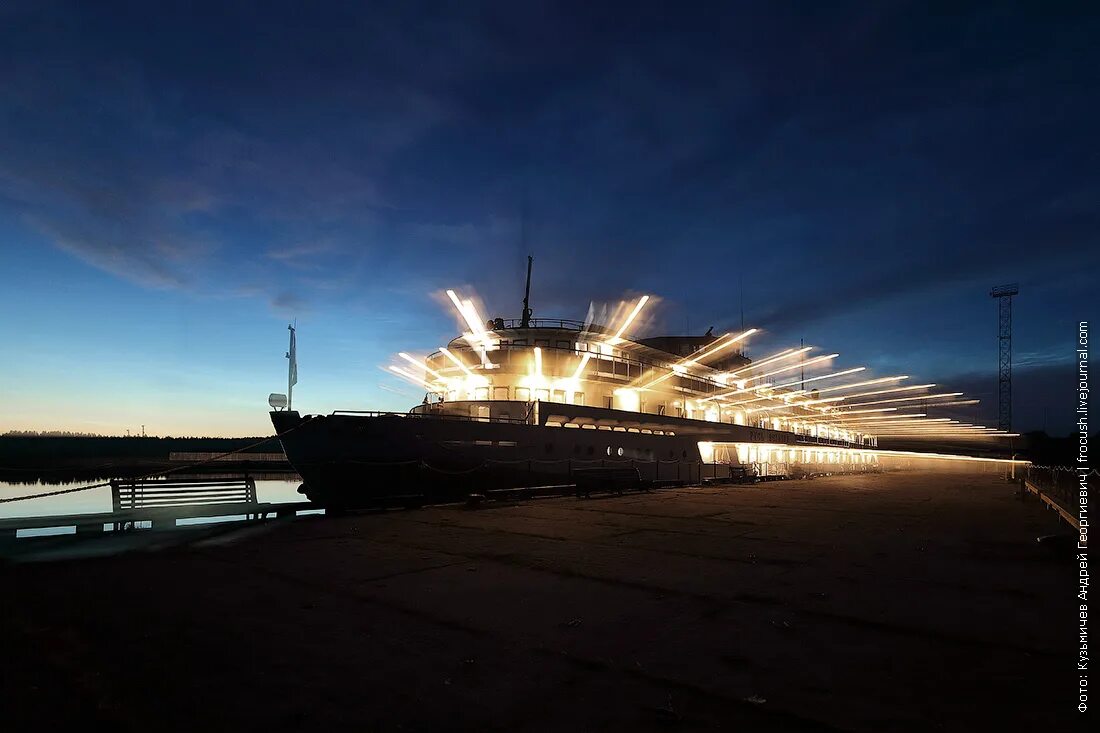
(539,401)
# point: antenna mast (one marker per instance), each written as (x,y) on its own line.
(525,321)
(1003,294)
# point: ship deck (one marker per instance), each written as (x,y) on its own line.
(908,601)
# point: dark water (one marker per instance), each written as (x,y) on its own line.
(277,488)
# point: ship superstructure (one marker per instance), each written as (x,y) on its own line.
(527,401)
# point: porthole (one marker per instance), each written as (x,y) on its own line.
(608,450)
(620,451)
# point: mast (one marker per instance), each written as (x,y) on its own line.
(292,368)
(525,321)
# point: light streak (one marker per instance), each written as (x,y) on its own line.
(473,319)
(714,349)
(413,378)
(678,367)
(908,399)
(947,457)
(867,383)
(617,338)
(860,412)
(422,365)
(815,360)
(456,360)
(853,370)
(581,366)
(938,404)
(740,390)
(776,357)
(777,397)
(786,406)
(870,418)
(881,452)
(538,362)
(878,392)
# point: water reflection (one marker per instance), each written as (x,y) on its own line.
(273,487)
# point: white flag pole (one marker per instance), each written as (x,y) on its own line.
(292,368)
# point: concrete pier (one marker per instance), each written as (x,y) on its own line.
(908,601)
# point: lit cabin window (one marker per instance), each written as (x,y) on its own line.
(578,398)
(542,394)
(559,395)
(481,393)
(523,394)
(500,393)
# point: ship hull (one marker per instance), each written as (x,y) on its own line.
(362,460)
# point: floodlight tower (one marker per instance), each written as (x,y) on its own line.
(1004,293)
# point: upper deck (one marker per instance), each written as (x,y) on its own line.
(569,362)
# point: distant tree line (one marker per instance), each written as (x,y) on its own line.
(52,434)
(21,450)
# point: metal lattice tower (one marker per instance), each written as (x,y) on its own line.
(1004,293)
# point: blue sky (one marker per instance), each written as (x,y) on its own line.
(178,181)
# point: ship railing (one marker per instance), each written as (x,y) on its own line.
(433,416)
(564,324)
(593,350)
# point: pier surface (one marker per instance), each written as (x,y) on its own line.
(908,601)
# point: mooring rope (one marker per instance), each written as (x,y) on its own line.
(59,492)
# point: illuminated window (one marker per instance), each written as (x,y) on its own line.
(500,393)
(559,395)
(523,394)
(578,398)
(481,393)
(542,394)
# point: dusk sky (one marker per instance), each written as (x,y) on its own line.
(179,182)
